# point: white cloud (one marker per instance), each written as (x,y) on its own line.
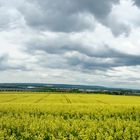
(93,46)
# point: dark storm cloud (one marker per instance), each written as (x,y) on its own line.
(66,53)
(63,44)
(66,15)
(62,16)
(111,58)
(58,16)
(137,2)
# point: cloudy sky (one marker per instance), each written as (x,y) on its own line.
(94,42)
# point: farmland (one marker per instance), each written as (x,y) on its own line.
(44,116)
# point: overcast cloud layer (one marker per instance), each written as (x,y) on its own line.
(93,42)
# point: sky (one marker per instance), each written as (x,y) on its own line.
(92,42)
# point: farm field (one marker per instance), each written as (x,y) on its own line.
(56,116)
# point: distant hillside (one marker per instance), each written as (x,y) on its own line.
(64,88)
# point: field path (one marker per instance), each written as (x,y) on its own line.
(15,98)
(99,101)
(40,99)
(67,99)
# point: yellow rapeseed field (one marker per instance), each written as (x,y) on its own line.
(60,116)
